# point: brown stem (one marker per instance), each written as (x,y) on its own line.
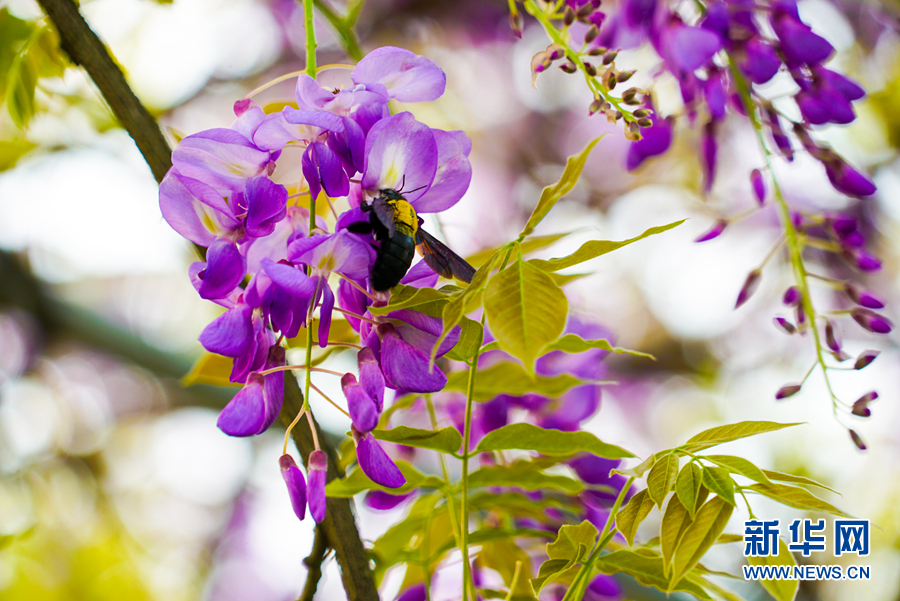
(314,564)
(85,49)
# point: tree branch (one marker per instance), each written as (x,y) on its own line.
(85,49)
(314,563)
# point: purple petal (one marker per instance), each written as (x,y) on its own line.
(249,116)
(290,278)
(716,97)
(221,158)
(839,109)
(352,299)
(291,125)
(273,388)
(592,469)
(330,173)
(847,87)
(714,232)
(266,205)
(710,152)
(759,186)
(407,76)
(454,172)
(689,48)
(400,153)
(230,334)
(194,209)
(325,311)
(317,470)
(405,368)
(812,108)
(799,43)
(422,331)
(382,501)
(296,485)
(225,268)
(603,588)
(420,275)
(350,147)
(375,463)
(254,359)
(848,180)
(416,592)
(361,405)
(310,95)
(656,140)
(245,414)
(760,61)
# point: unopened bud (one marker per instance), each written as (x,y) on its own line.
(865,358)
(871,321)
(788,390)
(568,67)
(645,122)
(585,11)
(857,440)
(641,113)
(624,76)
(861,405)
(791,297)
(864,298)
(516,23)
(596,106)
(555,52)
(568,16)
(591,34)
(759,186)
(713,232)
(619,115)
(610,57)
(749,287)
(784,325)
(597,51)
(590,69)
(831,337)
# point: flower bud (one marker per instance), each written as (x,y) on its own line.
(787,390)
(759,186)
(865,358)
(645,122)
(639,113)
(568,67)
(555,52)
(801,318)
(591,34)
(624,76)
(791,297)
(596,106)
(864,298)
(584,10)
(633,132)
(862,260)
(597,51)
(568,16)
(630,96)
(317,472)
(857,440)
(296,485)
(860,406)
(714,232)
(871,321)
(517,23)
(590,69)
(610,57)
(831,337)
(749,287)
(611,80)
(840,356)
(784,325)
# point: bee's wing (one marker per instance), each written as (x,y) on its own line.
(441,259)
(385,214)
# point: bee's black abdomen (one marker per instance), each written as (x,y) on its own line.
(393,261)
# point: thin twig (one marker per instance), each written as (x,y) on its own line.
(314,563)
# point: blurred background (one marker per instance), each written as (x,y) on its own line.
(114,480)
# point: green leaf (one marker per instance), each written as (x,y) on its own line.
(796,480)
(632,514)
(720,434)
(357,482)
(526,310)
(522,474)
(718,481)
(647,570)
(469,339)
(511,378)
(551,194)
(391,547)
(674,524)
(445,440)
(484,535)
(210,369)
(739,465)
(701,535)
(687,486)
(12,149)
(527,437)
(661,478)
(573,542)
(516,505)
(548,571)
(595,248)
(573,343)
(782,590)
(729,538)
(410,297)
(453,311)
(13,33)
(525,247)
(796,497)
(20,84)
(645,465)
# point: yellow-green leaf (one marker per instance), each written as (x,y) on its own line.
(525,247)
(661,478)
(526,310)
(720,434)
(211,369)
(675,523)
(548,571)
(645,465)
(445,440)
(13,33)
(470,337)
(357,482)
(573,542)
(796,480)
(522,474)
(718,481)
(782,590)
(573,343)
(595,248)
(632,514)
(528,437)
(409,297)
(701,535)
(512,379)
(20,84)
(739,465)
(647,569)
(551,194)
(687,486)
(796,497)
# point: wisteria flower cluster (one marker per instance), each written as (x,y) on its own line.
(270,265)
(720,58)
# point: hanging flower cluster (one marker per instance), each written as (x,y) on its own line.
(271,271)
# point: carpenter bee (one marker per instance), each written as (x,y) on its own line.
(396,225)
